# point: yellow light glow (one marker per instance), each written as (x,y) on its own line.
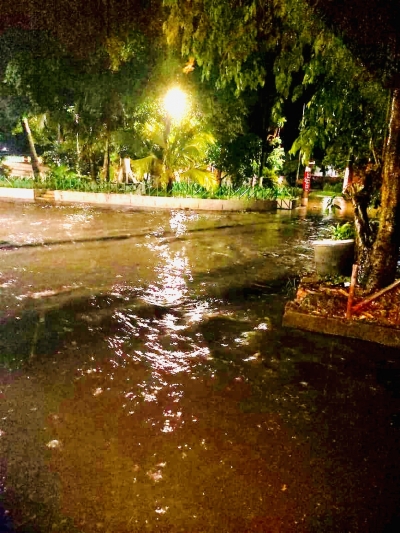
(175,103)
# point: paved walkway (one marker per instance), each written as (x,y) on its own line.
(21,169)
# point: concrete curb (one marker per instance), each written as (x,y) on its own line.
(143,202)
(17,194)
(343,328)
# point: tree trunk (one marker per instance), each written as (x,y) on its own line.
(170,181)
(349,172)
(263,157)
(363,234)
(125,174)
(60,136)
(78,155)
(106,161)
(386,246)
(32,149)
(219,178)
(93,171)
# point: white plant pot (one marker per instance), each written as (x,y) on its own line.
(333,258)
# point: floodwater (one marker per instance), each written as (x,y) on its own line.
(147,384)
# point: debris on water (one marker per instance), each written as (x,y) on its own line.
(54,444)
(329,299)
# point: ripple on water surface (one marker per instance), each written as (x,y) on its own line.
(163,395)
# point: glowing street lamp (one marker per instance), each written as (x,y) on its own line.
(175,103)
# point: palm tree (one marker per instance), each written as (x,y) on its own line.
(177,153)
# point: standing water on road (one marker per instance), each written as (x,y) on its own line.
(147,383)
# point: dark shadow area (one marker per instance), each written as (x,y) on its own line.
(6,523)
(11,246)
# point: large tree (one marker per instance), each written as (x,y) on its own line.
(84,64)
(235,39)
(36,78)
(371,31)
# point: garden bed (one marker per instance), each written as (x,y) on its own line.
(136,201)
(320,306)
(287,203)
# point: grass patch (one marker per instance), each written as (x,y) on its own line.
(16,183)
(322,194)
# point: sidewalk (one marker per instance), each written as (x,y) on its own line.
(21,167)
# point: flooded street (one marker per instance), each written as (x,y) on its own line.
(147,385)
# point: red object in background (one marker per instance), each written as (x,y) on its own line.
(307,179)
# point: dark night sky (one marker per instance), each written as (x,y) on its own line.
(371,28)
(81,24)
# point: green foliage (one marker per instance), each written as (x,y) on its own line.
(62,178)
(276,157)
(72,182)
(191,190)
(61,172)
(248,193)
(4,170)
(258,43)
(331,206)
(284,192)
(347,110)
(16,183)
(234,44)
(269,51)
(202,176)
(333,187)
(84,100)
(238,158)
(342,231)
(270,177)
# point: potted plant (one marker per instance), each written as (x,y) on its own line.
(334,256)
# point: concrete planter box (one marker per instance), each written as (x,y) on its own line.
(163,202)
(137,201)
(283,203)
(341,327)
(17,194)
(334,258)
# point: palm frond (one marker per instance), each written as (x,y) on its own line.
(146,165)
(154,132)
(200,175)
(188,149)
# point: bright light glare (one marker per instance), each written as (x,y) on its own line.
(175,103)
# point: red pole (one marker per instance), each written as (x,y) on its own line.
(306,185)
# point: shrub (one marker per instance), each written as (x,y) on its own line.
(342,231)
(333,187)
(16,183)
(61,178)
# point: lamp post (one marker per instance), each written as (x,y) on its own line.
(175,105)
